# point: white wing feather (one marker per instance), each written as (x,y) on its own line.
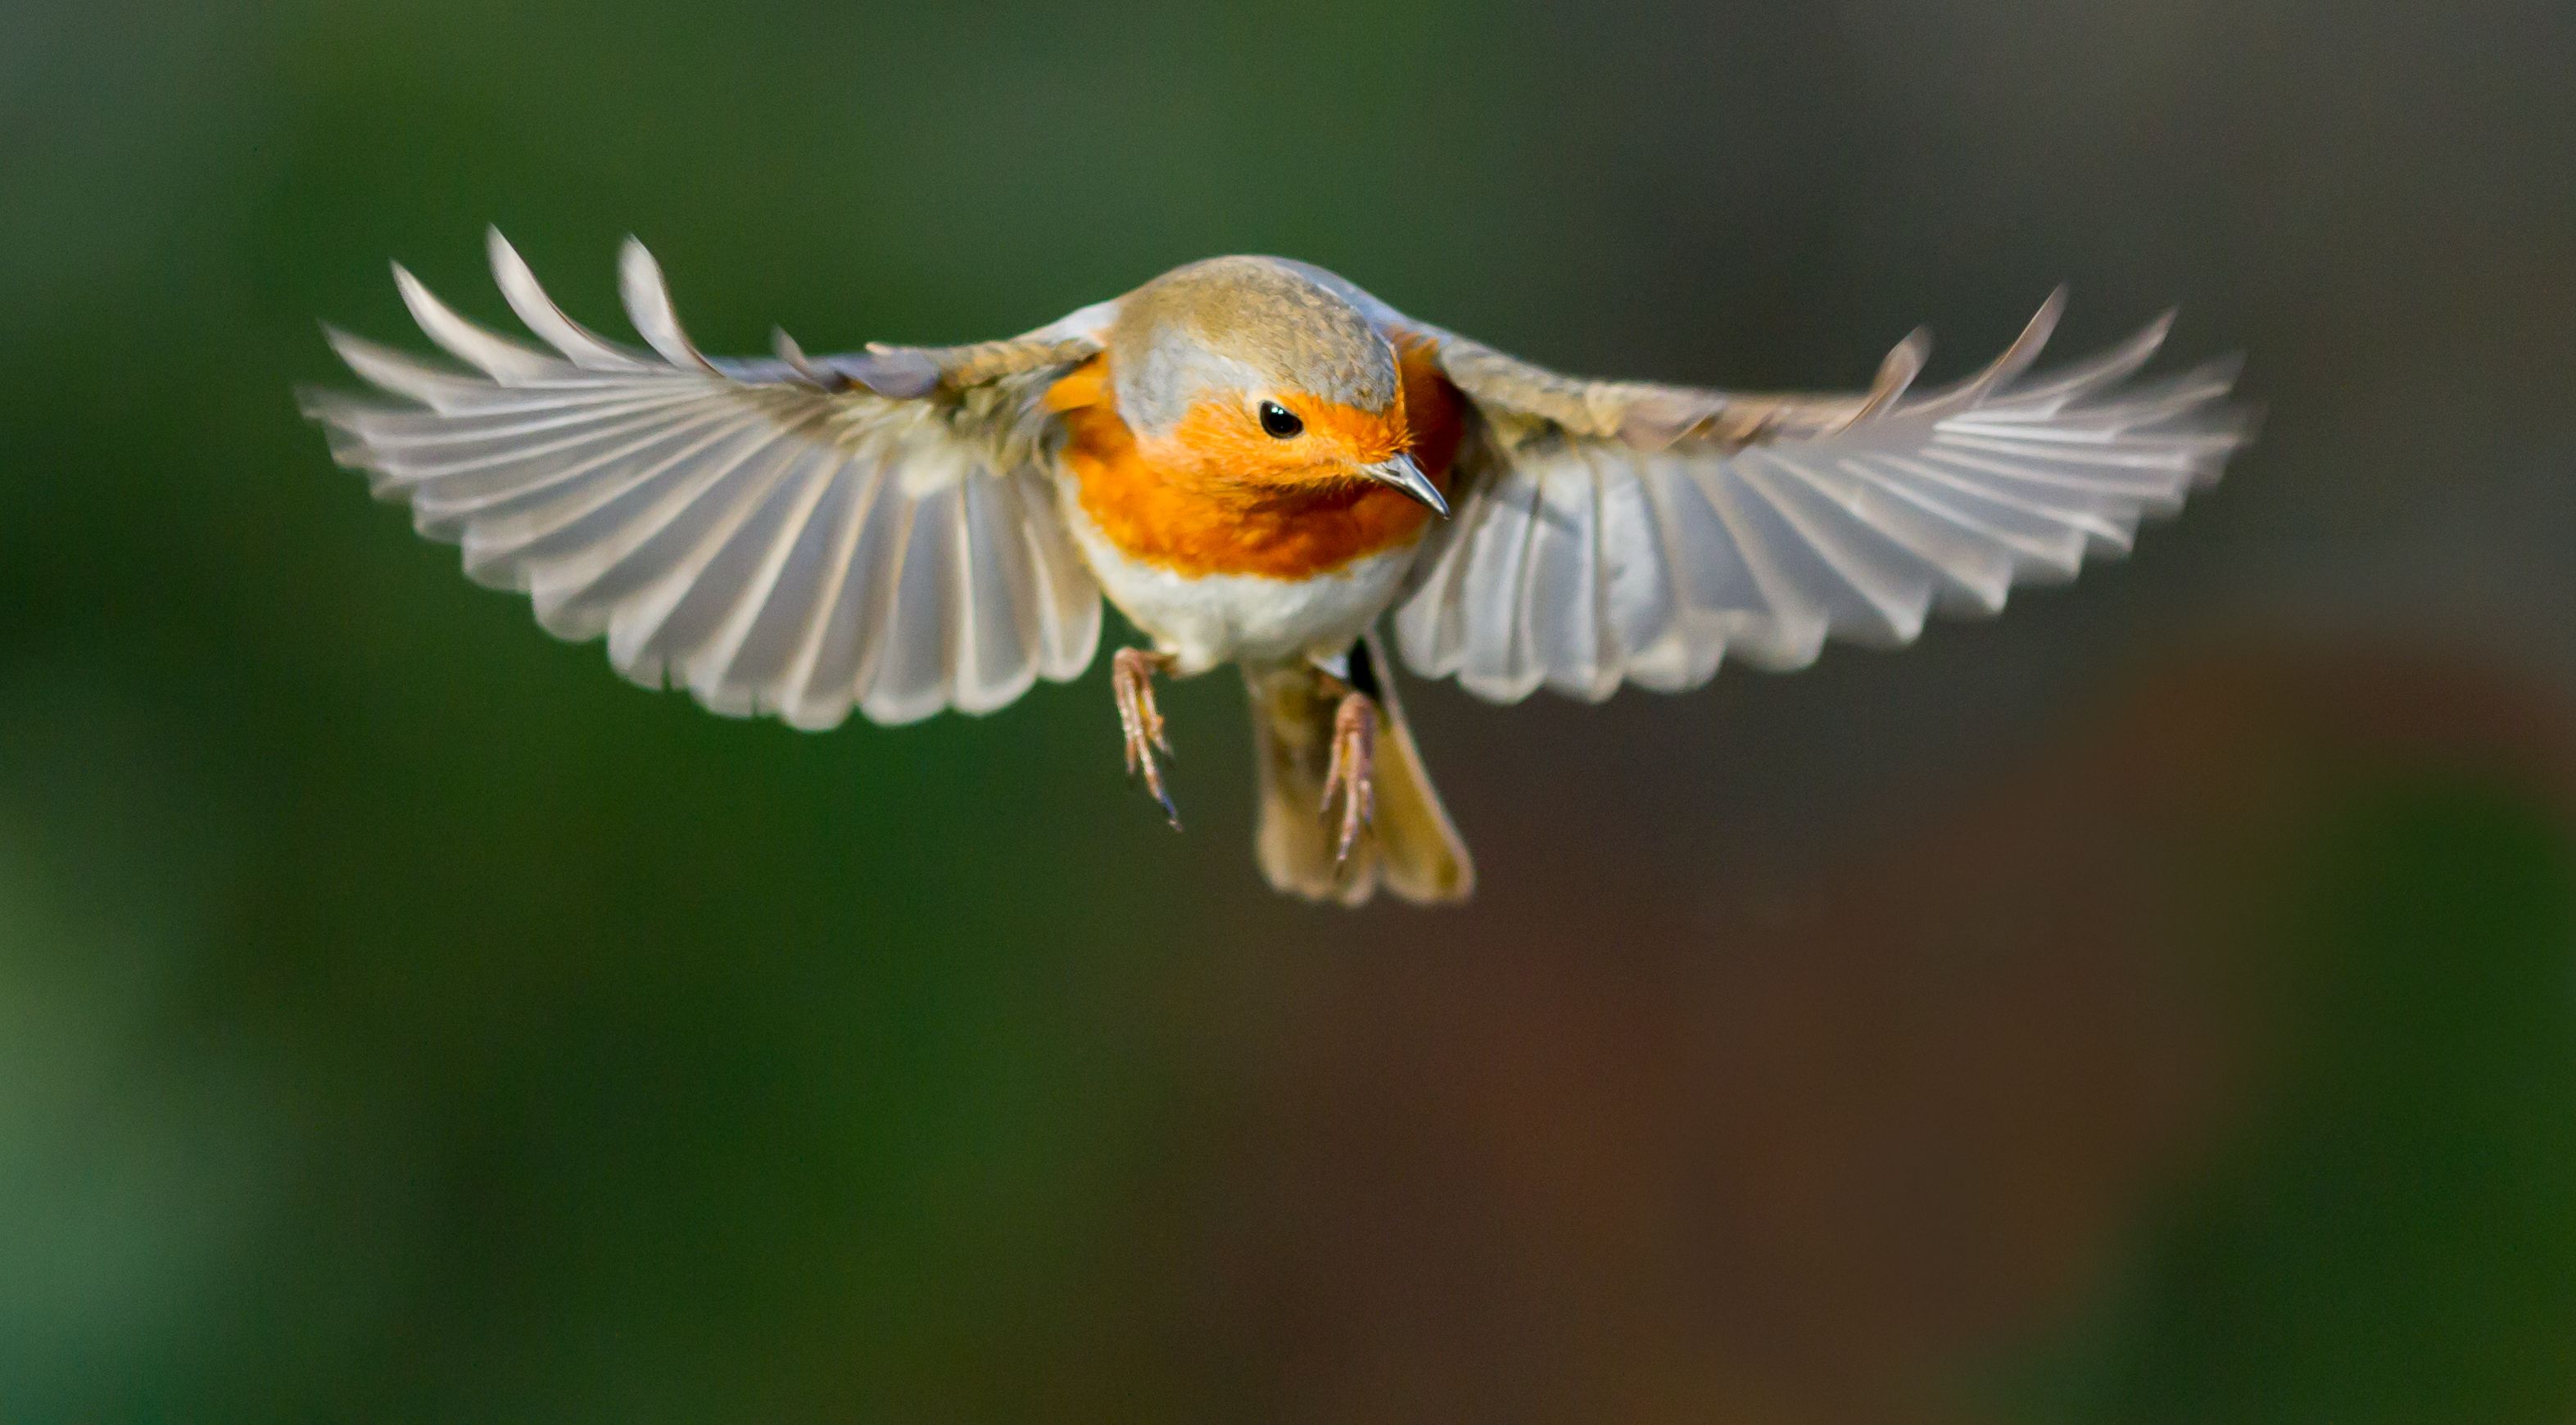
(774,545)
(1581,561)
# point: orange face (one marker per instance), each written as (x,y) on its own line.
(1284,439)
(1230,491)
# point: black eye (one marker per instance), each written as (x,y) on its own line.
(1280,421)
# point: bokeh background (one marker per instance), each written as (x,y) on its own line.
(2158,1004)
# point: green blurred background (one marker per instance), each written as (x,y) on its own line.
(2156,1005)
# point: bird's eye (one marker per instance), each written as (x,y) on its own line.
(1279,421)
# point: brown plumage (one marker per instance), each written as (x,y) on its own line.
(1257,462)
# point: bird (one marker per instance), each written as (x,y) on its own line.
(1258,464)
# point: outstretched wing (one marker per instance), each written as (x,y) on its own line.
(1623,531)
(790,536)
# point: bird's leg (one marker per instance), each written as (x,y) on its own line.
(1131,678)
(1351,772)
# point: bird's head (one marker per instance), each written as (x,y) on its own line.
(1249,372)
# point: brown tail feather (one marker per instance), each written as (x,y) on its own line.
(1410,847)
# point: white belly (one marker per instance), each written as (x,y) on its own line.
(1208,619)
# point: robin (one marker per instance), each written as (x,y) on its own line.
(1255,461)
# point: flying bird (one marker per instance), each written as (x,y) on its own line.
(1257,462)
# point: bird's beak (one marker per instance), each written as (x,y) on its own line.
(1402,474)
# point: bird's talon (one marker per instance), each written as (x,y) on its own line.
(1351,773)
(1140,725)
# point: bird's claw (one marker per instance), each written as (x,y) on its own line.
(1131,679)
(1351,774)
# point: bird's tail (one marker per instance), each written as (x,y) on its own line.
(1410,845)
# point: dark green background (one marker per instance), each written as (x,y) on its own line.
(2156,1005)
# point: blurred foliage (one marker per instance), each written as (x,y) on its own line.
(400,1018)
(2392,1242)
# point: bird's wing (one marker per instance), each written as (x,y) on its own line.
(1621,531)
(797,536)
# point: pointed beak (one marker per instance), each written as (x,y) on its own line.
(1402,474)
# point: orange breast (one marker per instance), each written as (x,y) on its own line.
(1193,520)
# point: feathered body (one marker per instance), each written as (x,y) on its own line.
(1256,462)
(1223,543)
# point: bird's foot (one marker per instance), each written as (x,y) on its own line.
(1131,678)
(1351,774)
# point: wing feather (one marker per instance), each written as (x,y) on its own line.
(713,612)
(916,628)
(508,362)
(837,642)
(1636,594)
(538,312)
(1007,622)
(1563,590)
(775,534)
(1068,608)
(1497,664)
(1618,531)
